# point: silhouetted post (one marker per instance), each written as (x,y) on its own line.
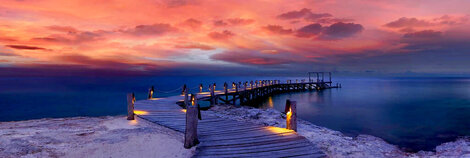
(291,115)
(184,89)
(226,91)
(236,87)
(150,94)
(244,85)
(211,92)
(130,106)
(186,99)
(200,88)
(190,133)
(329,75)
(234,96)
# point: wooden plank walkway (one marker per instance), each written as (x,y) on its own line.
(221,137)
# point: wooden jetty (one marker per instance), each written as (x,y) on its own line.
(220,137)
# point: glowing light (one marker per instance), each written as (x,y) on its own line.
(133,122)
(270,102)
(140,112)
(183,110)
(279,130)
(155,98)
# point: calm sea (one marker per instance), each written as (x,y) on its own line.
(414,113)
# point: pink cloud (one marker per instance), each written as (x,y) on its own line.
(195,46)
(192,23)
(277,29)
(221,35)
(150,30)
(295,14)
(240,21)
(25,47)
(309,30)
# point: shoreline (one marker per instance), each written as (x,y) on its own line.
(99,136)
(76,137)
(335,143)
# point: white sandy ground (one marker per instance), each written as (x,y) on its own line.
(337,145)
(90,137)
(116,137)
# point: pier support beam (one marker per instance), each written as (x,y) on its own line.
(291,115)
(190,133)
(130,106)
(150,94)
(212,92)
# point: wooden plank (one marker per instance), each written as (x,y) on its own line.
(222,137)
(257,147)
(257,150)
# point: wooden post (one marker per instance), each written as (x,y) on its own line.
(216,101)
(236,87)
(184,89)
(150,94)
(186,100)
(329,74)
(226,91)
(212,92)
(130,106)
(235,95)
(190,133)
(291,119)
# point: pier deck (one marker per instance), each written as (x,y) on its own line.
(221,137)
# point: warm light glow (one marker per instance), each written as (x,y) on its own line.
(133,122)
(183,110)
(155,98)
(270,102)
(278,130)
(140,112)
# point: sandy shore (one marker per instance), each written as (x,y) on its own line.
(116,137)
(89,137)
(336,144)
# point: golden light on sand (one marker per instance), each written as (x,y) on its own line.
(133,122)
(278,130)
(140,112)
(270,102)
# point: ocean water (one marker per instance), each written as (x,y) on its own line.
(413,113)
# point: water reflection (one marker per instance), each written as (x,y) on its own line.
(416,114)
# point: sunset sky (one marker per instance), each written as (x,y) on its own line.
(174,37)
